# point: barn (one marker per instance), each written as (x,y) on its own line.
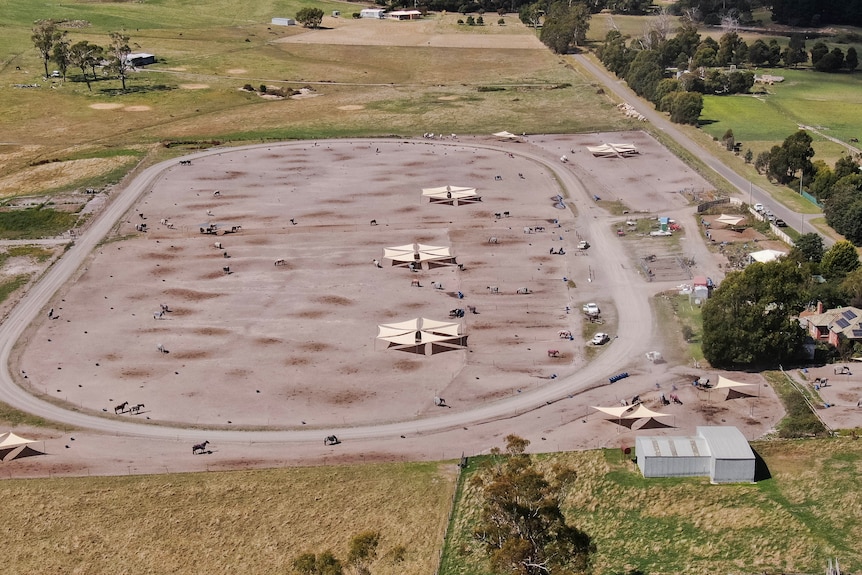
(720,452)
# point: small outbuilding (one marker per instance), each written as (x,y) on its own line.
(378,13)
(404,15)
(141,59)
(720,452)
(283,22)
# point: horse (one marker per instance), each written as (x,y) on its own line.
(200,447)
(330,440)
(121,408)
(279,262)
(553,353)
(493,289)
(136,408)
(524,290)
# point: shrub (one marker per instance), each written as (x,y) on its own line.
(248,88)
(263,88)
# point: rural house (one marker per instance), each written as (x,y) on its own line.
(832,325)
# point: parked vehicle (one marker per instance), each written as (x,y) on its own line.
(781,223)
(600,339)
(591,309)
(758,207)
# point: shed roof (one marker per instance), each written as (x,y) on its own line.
(672,446)
(725,442)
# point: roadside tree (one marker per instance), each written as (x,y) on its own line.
(808,248)
(310,17)
(839,260)
(60,56)
(565,25)
(795,52)
(851,60)
(119,51)
(45,36)
(83,55)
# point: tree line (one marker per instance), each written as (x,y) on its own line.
(837,189)
(54,45)
(704,65)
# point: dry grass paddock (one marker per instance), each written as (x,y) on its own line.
(229,522)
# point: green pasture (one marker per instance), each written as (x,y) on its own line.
(828,102)
(791,522)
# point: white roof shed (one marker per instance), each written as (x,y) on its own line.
(720,452)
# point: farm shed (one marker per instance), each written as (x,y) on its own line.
(141,59)
(404,15)
(283,22)
(378,13)
(720,452)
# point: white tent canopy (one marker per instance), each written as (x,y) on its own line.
(418,253)
(506,135)
(643,411)
(451,195)
(413,335)
(724,382)
(766,256)
(12,446)
(613,150)
(615,411)
(406,253)
(729,220)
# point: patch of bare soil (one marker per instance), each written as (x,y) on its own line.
(192,354)
(211,331)
(316,346)
(190,295)
(333,300)
(135,372)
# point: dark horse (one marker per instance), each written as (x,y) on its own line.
(331,440)
(200,447)
(121,408)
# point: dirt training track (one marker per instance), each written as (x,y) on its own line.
(269,338)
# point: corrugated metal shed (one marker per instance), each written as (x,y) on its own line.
(722,453)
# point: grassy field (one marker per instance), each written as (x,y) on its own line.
(825,101)
(791,522)
(225,523)
(193,93)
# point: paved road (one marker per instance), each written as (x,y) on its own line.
(746,187)
(636,328)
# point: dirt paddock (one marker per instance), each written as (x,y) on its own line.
(272,320)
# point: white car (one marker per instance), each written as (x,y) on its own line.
(758,207)
(600,339)
(591,309)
